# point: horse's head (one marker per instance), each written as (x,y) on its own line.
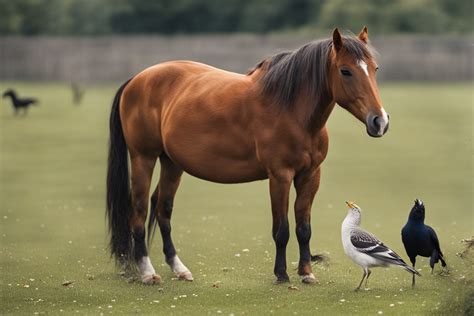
(353,81)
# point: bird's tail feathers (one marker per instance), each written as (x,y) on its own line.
(410,269)
(435,257)
(441,258)
(443,263)
(390,257)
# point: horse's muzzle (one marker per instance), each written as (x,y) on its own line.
(377,126)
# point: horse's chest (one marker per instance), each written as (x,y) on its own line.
(291,144)
(319,147)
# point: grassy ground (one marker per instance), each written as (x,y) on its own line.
(52,221)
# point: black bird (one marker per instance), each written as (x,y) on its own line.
(420,239)
(19,103)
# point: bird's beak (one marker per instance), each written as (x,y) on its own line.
(350,204)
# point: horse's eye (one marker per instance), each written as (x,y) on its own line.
(346,72)
(376,68)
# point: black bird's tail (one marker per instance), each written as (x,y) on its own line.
(443,263)
(436,257)
(118,208)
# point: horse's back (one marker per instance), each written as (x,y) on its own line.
(194,113)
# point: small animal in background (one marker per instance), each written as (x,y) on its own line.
(77,93)
(364,248)
(18,103)
(420,239)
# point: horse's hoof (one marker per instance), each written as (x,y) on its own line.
(281,280)
(186,276)
(308,278)
(151,279)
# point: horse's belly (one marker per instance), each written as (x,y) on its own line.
(225,172)
(214,166)
(224,155)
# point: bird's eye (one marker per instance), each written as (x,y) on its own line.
(346,72)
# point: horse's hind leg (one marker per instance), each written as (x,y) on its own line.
(141,170)
(170,177)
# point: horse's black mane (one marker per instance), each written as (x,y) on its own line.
(307,67)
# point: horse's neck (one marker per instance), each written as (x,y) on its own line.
(316,116)
(322,112)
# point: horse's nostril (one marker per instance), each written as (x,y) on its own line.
(376,123)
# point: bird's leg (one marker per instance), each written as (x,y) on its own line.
(413,261)
(360,284)
(367,278)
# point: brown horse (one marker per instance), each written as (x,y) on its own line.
(232,128)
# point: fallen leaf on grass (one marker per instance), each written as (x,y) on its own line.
(293,288)
(67,283)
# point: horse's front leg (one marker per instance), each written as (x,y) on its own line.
(306,185)
(279,192)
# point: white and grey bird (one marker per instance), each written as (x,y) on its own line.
(364,248)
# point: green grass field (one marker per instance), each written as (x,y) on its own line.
(52,223)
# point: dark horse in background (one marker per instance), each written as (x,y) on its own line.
(19,103)
(231,128)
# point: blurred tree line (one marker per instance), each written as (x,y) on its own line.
(98,17)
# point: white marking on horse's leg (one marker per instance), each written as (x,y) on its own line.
(147,272)
(180,269)
(308,278)
(363,65)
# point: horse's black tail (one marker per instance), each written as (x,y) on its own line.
(118,188)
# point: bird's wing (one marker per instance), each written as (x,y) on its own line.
(407,240)
(404,234)
(434,239)
(367,243)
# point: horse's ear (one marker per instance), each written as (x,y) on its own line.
(336,39)
(364,35)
